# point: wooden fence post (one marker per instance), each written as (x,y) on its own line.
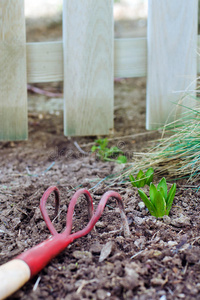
(172,58)
(13,84)
(88,66)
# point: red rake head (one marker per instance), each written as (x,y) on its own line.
(39,256)
(93,218)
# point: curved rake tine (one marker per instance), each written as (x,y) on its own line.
(71,207)
(99,212)
(43,207)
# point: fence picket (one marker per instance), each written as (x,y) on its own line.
(84,60)
(13,92)
(171,58)
(88,66)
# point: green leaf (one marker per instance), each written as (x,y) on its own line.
(132,180)
(162,192)
(163,184)
(112,151)
(122,159)
(149,176)
(148,203)
(115,149)
(160,204)
(94,148)
(102,143)
(170,198)
(152,192)
(140,175)
(140,179)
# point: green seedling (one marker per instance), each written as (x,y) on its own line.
(142,178)
(105,153)
(160,201)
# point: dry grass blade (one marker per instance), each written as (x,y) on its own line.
(177,153)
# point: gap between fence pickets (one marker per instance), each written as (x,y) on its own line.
(45,60)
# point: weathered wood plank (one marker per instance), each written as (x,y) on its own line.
(13,93)
(130,57)
(88,66)
(45,60)
(172,61)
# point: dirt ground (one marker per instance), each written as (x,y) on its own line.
(161,258)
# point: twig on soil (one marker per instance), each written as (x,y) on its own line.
(195,239)
(121,137)
(79,148)
(136,254)
(185,268)
(22,211)
(37,90)
(36,284)
(84,283)
(45,171)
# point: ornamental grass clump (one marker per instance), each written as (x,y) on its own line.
(177,154)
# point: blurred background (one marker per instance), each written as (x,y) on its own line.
(128,14)
(44,23)
(122,8)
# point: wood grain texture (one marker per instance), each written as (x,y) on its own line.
(130,57)
(88,66)
(13,275)
(172,58)
(45,60)
(198,54)
(13,93)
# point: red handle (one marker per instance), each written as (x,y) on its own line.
(39,256)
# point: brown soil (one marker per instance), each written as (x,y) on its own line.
(161,258)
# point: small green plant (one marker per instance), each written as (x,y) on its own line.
(160,201)
(105,153)
(142,178)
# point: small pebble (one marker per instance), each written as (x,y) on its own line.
(182,296)
(181,221)
(163,297)
(172,243)
(166,220)
(100,224)
(102,294)
(82,254)
(138,220)
(167,259)
(157,281)
(96,248)
(141,205)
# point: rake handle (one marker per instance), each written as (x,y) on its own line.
(13,275)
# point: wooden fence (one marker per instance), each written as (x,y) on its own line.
(89,58)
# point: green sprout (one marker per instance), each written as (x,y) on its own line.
(160,201)
(105,153)
(142,178)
